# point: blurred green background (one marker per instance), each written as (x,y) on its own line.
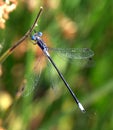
(66,24)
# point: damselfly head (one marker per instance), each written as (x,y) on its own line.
(39,34)
(33,37)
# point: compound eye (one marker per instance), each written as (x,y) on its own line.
(39,34)
(33,37)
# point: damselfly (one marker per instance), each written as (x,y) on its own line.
(83,53)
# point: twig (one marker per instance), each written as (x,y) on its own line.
(10,50)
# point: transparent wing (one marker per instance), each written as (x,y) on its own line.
(74,53)
(56,84)
(53,76)
(31,80)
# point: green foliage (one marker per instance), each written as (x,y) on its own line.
(44,108)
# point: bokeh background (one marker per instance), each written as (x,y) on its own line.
(65,24)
